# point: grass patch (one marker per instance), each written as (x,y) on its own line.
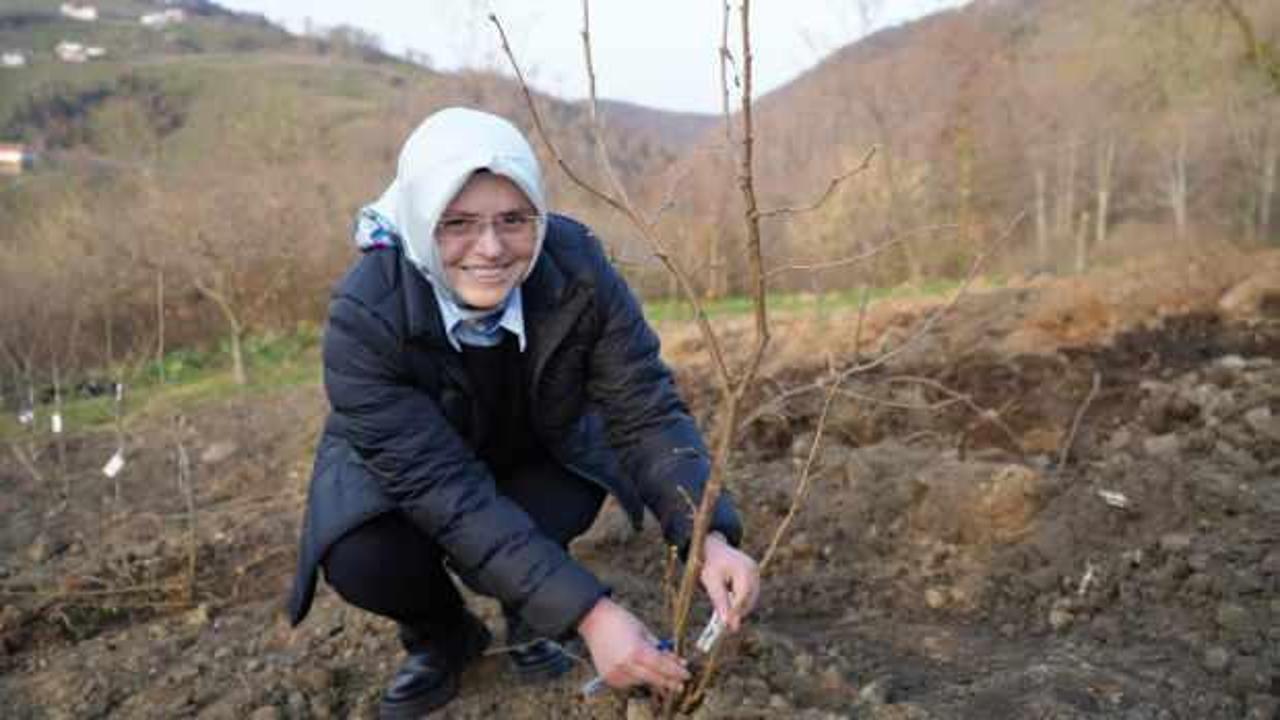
(668,310)
(274,361)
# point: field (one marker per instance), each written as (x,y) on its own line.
(1061,499)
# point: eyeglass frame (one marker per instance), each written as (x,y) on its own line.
(476,225)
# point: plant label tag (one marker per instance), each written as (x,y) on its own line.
(710,634)
(119,392)
(26,417)
(55,423)
(114,465)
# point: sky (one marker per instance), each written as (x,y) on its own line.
(660,53)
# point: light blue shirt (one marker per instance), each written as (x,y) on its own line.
(484,331)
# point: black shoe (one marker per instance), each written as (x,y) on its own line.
(534,658)
(428,678)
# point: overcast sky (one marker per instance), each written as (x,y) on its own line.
(660,53)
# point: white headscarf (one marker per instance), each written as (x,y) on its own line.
(435,163)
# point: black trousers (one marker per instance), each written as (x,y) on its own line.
(389,567)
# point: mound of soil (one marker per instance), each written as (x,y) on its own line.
(1089,528)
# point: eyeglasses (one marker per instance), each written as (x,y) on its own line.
(508,225)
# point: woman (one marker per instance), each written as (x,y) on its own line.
(491,378)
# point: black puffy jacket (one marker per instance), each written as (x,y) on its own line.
(601,402)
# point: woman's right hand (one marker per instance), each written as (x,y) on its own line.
(625,653)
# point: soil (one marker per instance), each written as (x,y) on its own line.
(1038,508)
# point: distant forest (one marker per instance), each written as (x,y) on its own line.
(199,182)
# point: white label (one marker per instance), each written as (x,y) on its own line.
(26,417)
(114,465)
(710,634)
(55,422)
(119,392)
(1114,499)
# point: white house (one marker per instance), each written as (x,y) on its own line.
(172,16)
(71,52)
(13,60)
(74,52)
(13,158)
(87,13)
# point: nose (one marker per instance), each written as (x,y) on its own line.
(488,243)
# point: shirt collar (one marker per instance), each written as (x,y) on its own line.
(483,332)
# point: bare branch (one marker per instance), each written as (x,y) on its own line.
(669,197)
(852,260)
(726,61)
(746,183)
(806,476)
(866,255)
(27,463)
(939,312)
(542,132)
(932,319)
(803,486)
(597,126)
(655,242)
(1075,422)
(826,194)
(727,422)
(984,414)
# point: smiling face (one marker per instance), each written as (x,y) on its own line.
(487,239)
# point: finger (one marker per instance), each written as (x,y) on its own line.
(653,678)
(746,584)
(621,678)
(718,593)
(662,669)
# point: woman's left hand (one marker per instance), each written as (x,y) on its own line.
(731,580)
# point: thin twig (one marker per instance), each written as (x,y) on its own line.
(655,242)
(853,259)
(869,254)
(187,490)
(74,594)
(602,152)
(826,194)
(542,132)
(726,60)
(803,486)
(27,463)
(864,302)
(930,320)
(730,404)
(669,196)
(1075,422)
(806,474)
(984,414)
(669,580)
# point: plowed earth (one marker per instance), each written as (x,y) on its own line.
(1008,519)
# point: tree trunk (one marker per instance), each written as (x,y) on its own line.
(1267,188)
(217,294)
(237,352)
(896,217)
(108,322)
(160,324)
(1082,244)
(56,427)
(1042,223)
(717,273)
(1105,163)
(1176,185)
(1066,200)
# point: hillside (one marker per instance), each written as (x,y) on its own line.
(1154,117)
(226,151)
